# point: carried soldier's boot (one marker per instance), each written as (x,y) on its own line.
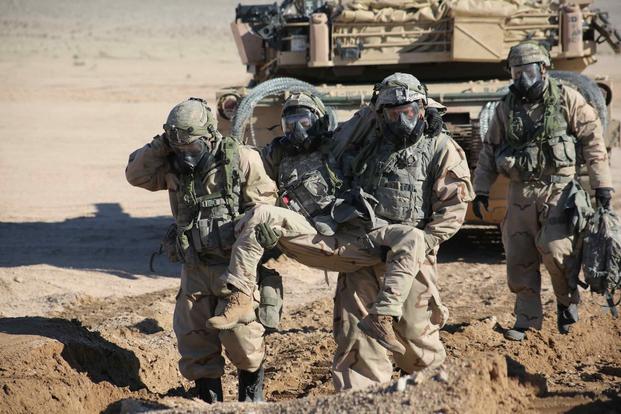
(250,386)
(379,327)
(209,389)
(566,316)
(238,308)
(515,334)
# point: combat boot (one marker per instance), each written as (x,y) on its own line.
(379,327)
(209,389)
(238,308)
(566,316)
(250,386)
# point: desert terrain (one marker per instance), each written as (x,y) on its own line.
(86,327)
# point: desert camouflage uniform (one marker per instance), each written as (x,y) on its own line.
(431,213)
(535,228)
(434,207)
(308,180)
(201,347)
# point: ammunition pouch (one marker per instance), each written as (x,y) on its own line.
(211,234)
(562,151)
(271,292)
(310,196)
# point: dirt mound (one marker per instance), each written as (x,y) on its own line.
(567,370)
(143,326)
(479,385)
(60,365)
(121,356)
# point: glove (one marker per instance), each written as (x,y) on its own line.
(603,196)
(266,236)
(434,121)
(161,145)
(476,205)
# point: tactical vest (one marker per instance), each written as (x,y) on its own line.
(307,183)
(206,221)
(536,149)
(402,181)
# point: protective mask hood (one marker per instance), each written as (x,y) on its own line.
(188,160)
(528,82)
(297,139)
(301,126)
(403,129)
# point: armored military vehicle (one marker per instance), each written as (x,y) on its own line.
(457,47)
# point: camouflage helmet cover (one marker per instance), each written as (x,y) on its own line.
(398,89)
(194,117)
(306,100)
(528,52)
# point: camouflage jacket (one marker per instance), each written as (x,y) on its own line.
(150,168)
(583,134)
(426,184)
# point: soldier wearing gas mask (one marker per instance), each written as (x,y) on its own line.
(418,181)
(211,181)
(533,140)
(409,192)
(304,170)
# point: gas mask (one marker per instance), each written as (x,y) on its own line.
(528,81)
(404,124)
(301,126)
(188,150)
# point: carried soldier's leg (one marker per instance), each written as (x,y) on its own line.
(519,230)
(248,250)
(297,238)
(241,274)
(555,245)
(419,327)
(200,347)
(359,361)
(405,253)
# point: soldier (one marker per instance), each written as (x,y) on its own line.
(411,219)
(211,180)
(421,179)
(301,164)
(532,140)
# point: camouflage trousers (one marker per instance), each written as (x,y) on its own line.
(535,231)
(347,251)
(360,361)
(201,347)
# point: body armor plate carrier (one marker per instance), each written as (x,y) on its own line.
(402,181)
(536,150)
(307,183)
(207,221)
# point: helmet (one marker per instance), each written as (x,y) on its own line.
(398,89)
(528,52)
(190,120)
(306,100)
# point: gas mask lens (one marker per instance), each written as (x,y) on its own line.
(528,74)
(193,149)
(302,116)
(409,111)
(177,135)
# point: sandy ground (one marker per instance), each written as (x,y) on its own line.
(84,325)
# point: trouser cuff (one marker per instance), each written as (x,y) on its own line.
(387,309)
(242,284)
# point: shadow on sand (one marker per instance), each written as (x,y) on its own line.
(110,242)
